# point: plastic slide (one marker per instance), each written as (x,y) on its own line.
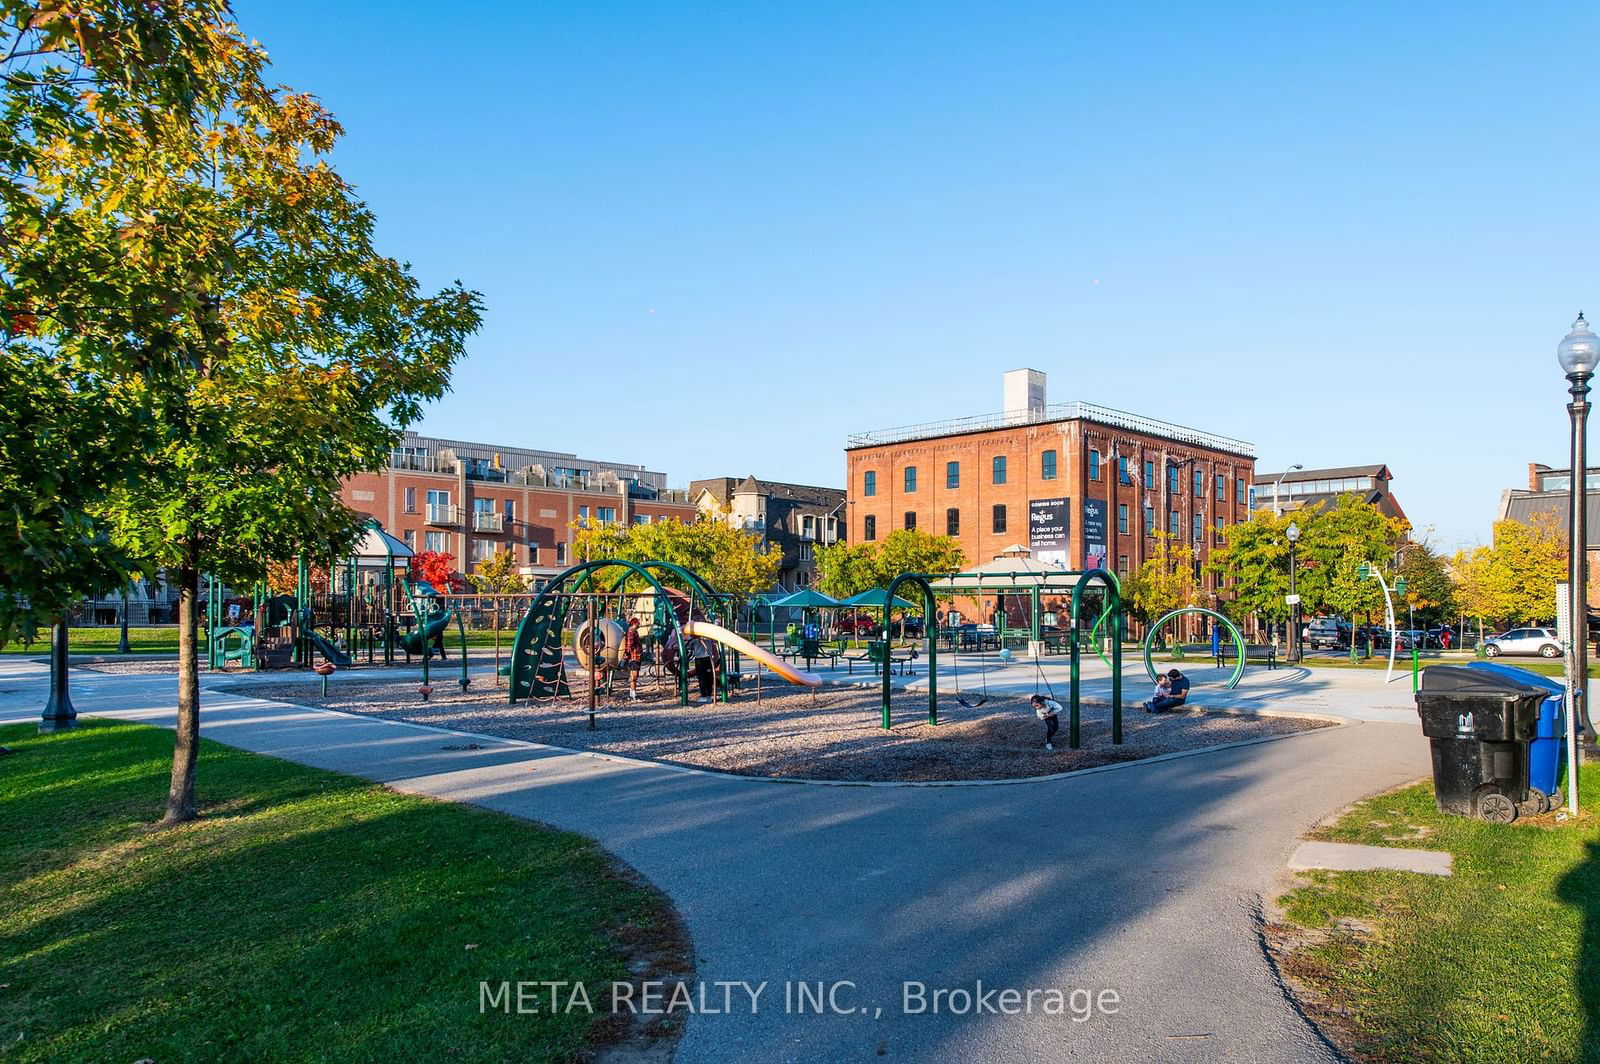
(329,651)
(415,640)
(737,643)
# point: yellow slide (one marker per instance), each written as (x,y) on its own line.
(718,634)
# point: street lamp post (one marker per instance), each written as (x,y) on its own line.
(122,642)
(1293,532)
(59,712)
(1578,353)
(1277,505)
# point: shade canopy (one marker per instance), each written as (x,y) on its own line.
(875,598)
(804,599)
(378,545)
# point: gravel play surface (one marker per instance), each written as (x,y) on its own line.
(832,733)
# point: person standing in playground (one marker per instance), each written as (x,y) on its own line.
(633,657)
(704,673)
(1049,711)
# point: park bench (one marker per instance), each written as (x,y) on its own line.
(1260,652)
(878,653)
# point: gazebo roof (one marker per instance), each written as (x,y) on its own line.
(379,545)
(1008,573)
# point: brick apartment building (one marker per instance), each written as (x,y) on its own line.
(472,500)
(1077,484)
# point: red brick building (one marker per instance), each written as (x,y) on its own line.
(472,500)
(1076,483)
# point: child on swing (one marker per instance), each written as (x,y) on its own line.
(1049,711)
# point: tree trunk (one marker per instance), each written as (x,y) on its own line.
(186,746)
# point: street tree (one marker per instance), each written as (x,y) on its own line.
(1165,581)
(498,575)
(732,560)
(1514,580)
(220,280)
(848,569)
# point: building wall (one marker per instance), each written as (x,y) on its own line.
(538,531)
(1023,447)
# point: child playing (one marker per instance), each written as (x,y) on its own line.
(1163,690)
(1047,710)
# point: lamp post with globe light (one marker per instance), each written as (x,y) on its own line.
(1578,353)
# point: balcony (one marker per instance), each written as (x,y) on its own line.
(420,463)
(442,513)
(488,521)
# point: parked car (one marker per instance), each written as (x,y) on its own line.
(1540,641)
(1327,633)
(907,627)
(858,623)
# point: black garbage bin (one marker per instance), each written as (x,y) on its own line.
(1480,724)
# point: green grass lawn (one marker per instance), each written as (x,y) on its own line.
(308,915)
(1500,962)
(151,640)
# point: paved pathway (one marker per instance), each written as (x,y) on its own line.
(1144,880)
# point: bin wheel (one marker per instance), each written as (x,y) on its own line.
(1539,800)
(1496,808)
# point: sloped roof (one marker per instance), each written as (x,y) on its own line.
(723,489)
(1521,505)
(1296,476)
(1386,503)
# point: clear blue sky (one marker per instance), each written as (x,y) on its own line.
(714,239)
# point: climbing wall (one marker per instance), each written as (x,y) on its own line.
(537,669)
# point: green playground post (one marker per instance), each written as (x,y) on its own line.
(1414,668)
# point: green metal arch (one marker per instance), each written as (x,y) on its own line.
(584,571)
(929,607)
(1233,630)
(1114,609)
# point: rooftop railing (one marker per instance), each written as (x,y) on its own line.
(1102,415)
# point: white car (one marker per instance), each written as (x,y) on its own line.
(1540,641)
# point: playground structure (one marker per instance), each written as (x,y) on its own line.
(1234,634)
(368,606)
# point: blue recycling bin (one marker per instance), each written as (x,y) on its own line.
(1548,750)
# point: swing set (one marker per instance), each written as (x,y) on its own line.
(1034,581)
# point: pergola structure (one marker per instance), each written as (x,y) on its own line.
(1015,572)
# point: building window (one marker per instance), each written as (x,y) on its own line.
(999,523)
(1222,528)
(1149,520)
(1222,487)
(805,552)
(911,479)
(1174,527)
(434,541)
(911,520)
(1239,494)
(952,474)
(1149,474)
(1094,465)
(1122,519)
(607,515)
(869,484)
(952,522)
(439,507)
(869,528)
(641,519)
(482,550)
(561,553)
(1123,476)
(411,500)
(1047,465)
(1000,469)
(1172,479)
(1122,565)
(1199,483)
(533,554)
(583,514)
(409,536)
(1198,521)
(808,526)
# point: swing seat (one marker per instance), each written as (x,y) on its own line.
(972,701)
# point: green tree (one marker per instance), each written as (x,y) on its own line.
(1430,592)
(1253,566)
(73,79)
(1164,582)
(732,560)
(1514,580)
(219,278)
(498,575)
(845,569)
(1334,543)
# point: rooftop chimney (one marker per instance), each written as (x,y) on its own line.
(1024,394)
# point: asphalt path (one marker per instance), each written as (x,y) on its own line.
(1136,887)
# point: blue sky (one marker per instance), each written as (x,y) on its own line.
(715,239)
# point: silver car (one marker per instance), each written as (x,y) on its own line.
(1540,641)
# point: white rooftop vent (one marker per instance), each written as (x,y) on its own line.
(1024,395)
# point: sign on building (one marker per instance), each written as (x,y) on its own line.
(1049,529)
(1094,534)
